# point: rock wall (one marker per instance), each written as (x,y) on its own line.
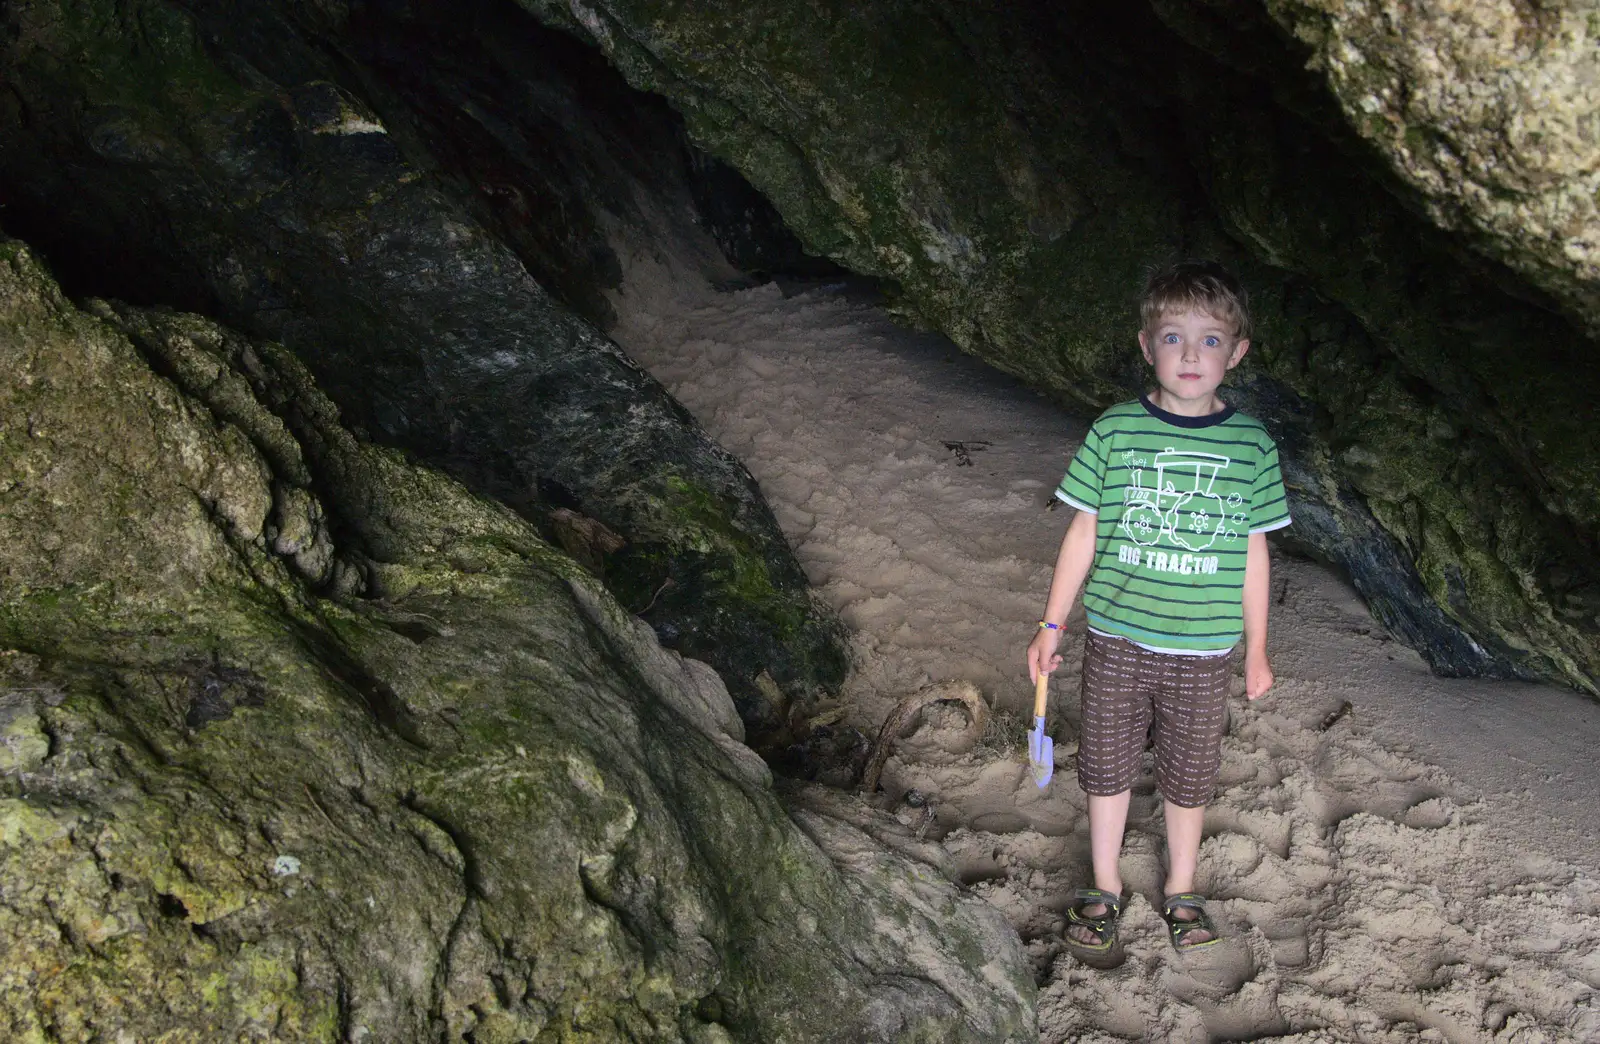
(479,802)
(1488,112)
(1015,169)
(229,159)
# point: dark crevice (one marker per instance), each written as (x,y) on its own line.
(385,705)
(473,892)
(170,906)
(344,1006)
(216,690)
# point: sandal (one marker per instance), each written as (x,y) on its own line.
(1180,928)
(1102,926)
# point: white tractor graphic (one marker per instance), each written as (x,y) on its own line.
(1192,517)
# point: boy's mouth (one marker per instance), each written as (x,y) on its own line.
(1189,376)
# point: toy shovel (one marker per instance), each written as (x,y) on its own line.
(1041,748)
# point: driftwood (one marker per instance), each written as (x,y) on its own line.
(907,710)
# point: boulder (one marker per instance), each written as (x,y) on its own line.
(1486,112)
(303,741)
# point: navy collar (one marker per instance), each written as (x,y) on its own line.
(1179,421)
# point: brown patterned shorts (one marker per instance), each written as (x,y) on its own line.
(1125,690)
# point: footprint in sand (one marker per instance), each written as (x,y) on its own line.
(1267,827)
(1211,975)
(1433,813)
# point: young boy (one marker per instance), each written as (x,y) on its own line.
(1175,495)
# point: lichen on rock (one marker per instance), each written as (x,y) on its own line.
(463,795)
(1488,112)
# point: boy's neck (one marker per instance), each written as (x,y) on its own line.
(1185,407)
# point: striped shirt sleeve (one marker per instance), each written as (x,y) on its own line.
(1086,475)
(1269,503)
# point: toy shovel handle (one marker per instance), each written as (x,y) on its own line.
(1041,692)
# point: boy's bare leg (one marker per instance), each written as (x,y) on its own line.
(1108,817)
(1184,826)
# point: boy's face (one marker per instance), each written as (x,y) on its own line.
(1191,352)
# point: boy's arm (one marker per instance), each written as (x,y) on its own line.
(1072,565)
(1257,572)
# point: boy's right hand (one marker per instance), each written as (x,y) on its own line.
(1042,656)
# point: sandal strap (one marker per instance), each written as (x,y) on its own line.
(1092,896)
(1181,928)
(1184,901)
(1102,926)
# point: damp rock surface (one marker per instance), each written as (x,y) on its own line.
(463,796)
(1487,111)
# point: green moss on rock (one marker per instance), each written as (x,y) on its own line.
(464,795)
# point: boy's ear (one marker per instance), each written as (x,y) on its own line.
(1144,346)
(1239,351)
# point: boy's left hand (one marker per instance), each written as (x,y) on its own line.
(1257,676)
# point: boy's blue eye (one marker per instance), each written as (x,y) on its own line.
(1212,342)
(1171,338)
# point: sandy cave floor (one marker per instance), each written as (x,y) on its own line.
(1425,868)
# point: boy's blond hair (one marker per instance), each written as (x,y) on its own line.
(1195,285)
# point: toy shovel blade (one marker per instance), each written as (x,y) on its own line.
(1041,753)
(1041,748)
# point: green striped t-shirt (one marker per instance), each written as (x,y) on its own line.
(1176,498)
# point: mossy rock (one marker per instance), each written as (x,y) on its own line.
(428,782)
